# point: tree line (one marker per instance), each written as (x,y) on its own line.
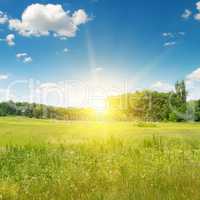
(40,111)
(150,105)
(144,105)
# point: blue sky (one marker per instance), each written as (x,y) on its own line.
(147,44)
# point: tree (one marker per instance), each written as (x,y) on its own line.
(180,101)
(181,91)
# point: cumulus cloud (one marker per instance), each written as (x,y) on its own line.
(162,87)
(194,76)
(198,5)
(193,84)
(10,39)
(168,44)
(197,16)
(79,17)
(42,20)
(24,57)
(3,18)
(186,14)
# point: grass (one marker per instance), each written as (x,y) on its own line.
(41,159)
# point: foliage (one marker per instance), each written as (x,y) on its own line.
(155,106)
(194,108)
(40,111)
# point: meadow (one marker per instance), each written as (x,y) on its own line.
(49,159)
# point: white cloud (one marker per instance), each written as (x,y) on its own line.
(193,91)
(173,35)
(193,84)
(65,50)
(198,5)
(3,18)
(186,14)
(24,57)
(197,16)
(10,39)
(162,87)
(28,60)
(194,76)
(168,44)
(3,76)
(79,17)
(181,33)
(169,34)
(41,20)
(21,55)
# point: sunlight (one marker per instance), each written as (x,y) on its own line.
(99,107)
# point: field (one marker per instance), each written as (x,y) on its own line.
(48,160)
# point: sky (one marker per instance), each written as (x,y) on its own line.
(77,52)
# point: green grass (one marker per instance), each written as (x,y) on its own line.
(41,159)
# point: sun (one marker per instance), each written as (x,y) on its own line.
(99,107)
